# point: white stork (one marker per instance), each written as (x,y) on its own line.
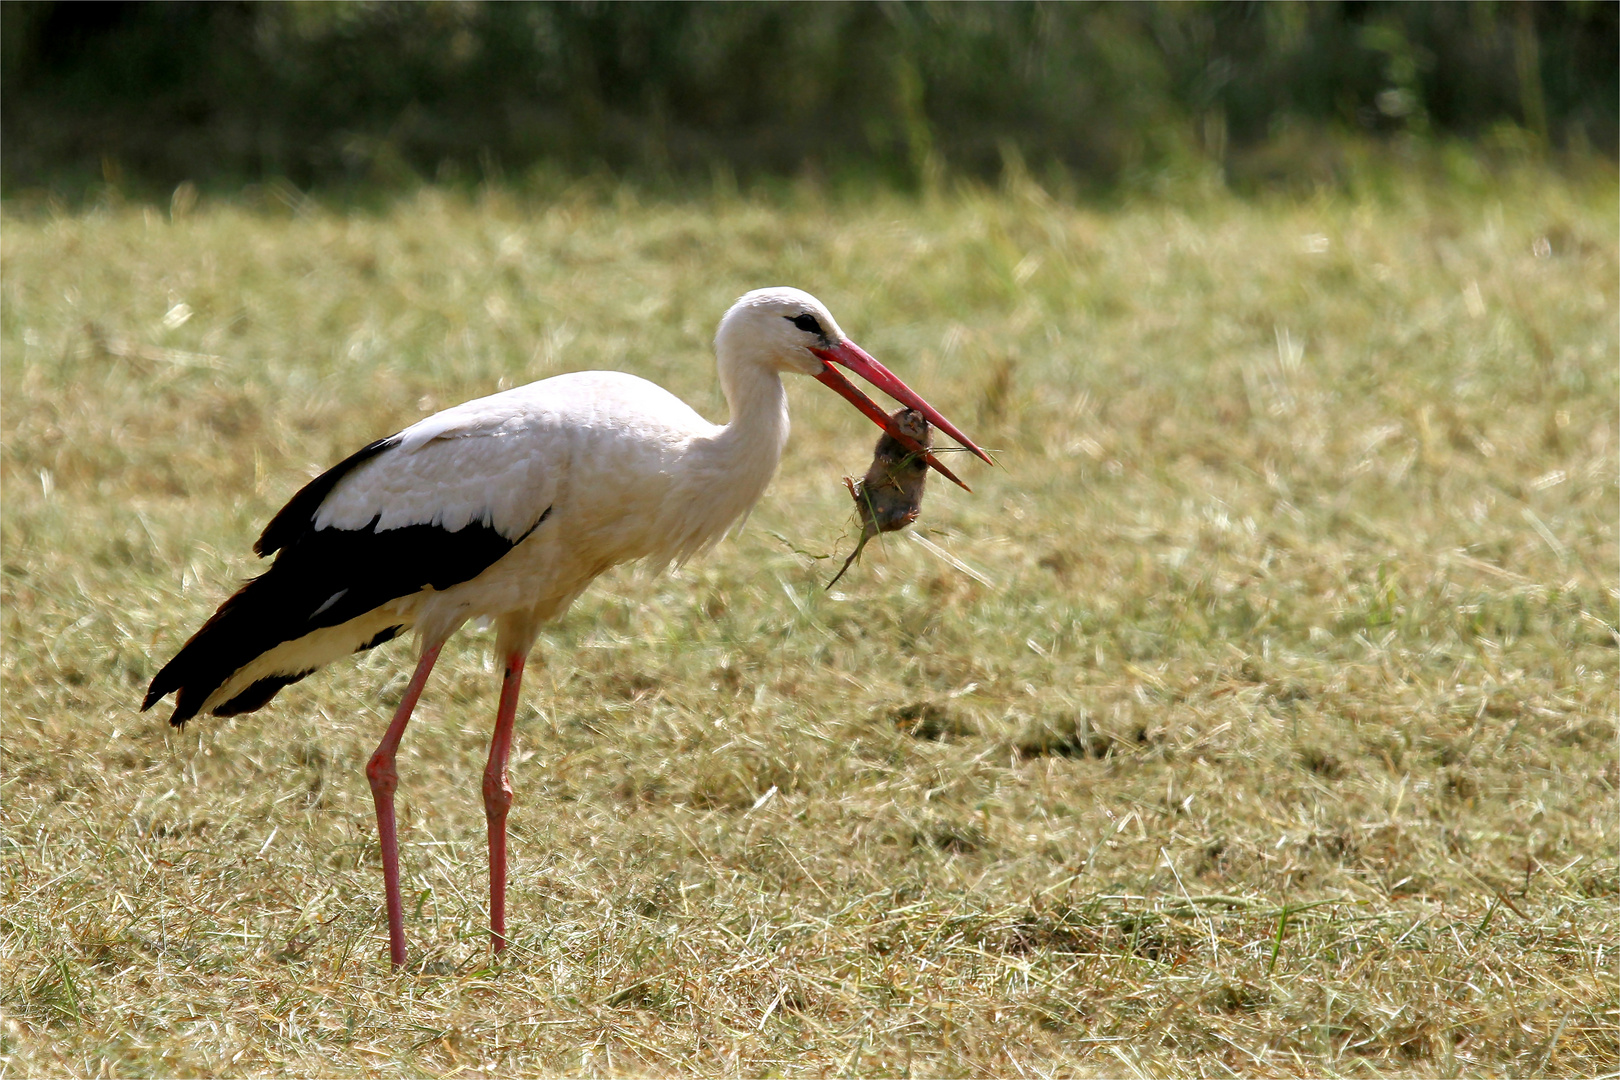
(506,508)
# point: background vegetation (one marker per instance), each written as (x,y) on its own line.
(143,96)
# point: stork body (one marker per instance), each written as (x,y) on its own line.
(507,508)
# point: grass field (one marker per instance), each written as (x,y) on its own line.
(1270,729)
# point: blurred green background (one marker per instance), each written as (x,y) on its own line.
(1098,98)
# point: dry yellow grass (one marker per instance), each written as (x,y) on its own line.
(1274,736)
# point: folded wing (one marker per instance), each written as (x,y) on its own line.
(426,509)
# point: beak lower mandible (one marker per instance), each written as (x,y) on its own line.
(856,359)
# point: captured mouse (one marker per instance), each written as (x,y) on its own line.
(889,496)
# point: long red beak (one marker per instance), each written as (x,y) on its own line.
(855,358)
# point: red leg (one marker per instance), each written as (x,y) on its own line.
(384,779)
(498,798)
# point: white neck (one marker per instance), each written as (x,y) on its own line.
(724,474)
(759,416)
(748,448)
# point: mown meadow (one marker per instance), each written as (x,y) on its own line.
(1256,716)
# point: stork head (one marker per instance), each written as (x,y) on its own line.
(790,330)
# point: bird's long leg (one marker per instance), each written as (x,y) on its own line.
(498,798)
(384,779)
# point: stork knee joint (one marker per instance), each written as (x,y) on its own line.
(383,776)
(497,794)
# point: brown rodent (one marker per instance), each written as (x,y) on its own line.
(889,496)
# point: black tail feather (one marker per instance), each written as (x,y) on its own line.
(258,694)
(326,578)
(243,628)
(321,578)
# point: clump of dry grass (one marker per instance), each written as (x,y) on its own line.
(1272,733)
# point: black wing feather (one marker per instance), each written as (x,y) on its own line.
(320,578)
(298,516)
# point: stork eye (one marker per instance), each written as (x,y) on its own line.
(807,323)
